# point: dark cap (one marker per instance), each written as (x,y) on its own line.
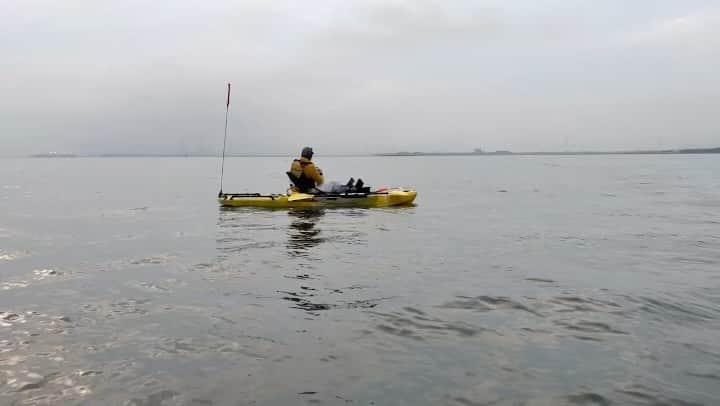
(307,152)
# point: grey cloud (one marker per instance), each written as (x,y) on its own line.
(353,76)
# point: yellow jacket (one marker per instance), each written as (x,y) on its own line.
(303,166)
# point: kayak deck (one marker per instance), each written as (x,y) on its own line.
(389,198)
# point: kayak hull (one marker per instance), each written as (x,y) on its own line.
(389,198)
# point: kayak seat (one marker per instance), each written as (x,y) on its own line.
(300,185)
(292,178)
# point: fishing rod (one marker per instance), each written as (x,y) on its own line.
(222,165)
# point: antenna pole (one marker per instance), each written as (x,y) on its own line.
(222,165)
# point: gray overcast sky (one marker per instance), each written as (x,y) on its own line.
(358,76)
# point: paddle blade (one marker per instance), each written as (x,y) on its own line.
(300,197)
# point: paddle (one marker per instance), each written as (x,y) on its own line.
(299,197)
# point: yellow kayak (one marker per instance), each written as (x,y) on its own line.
(386,198)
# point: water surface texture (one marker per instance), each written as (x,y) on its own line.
(513,281)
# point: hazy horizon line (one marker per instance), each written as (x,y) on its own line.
(395,153)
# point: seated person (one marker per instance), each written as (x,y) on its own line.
(308,178)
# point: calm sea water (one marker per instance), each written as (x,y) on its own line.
(513,281)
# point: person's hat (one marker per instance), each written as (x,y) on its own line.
(307,152)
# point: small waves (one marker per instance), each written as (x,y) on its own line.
(588,399)
(35,372)
(666,309)
(487,303)
(38,276)
(416,325)
(578,316)
(11,255)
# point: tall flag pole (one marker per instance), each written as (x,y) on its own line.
(222,166)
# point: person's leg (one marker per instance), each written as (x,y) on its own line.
(330,187)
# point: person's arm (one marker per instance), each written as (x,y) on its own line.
(315,174)
(296,169)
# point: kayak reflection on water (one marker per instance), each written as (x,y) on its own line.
(303,233)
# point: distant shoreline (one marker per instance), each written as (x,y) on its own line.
(183,155)
(558,153)
(396,154)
